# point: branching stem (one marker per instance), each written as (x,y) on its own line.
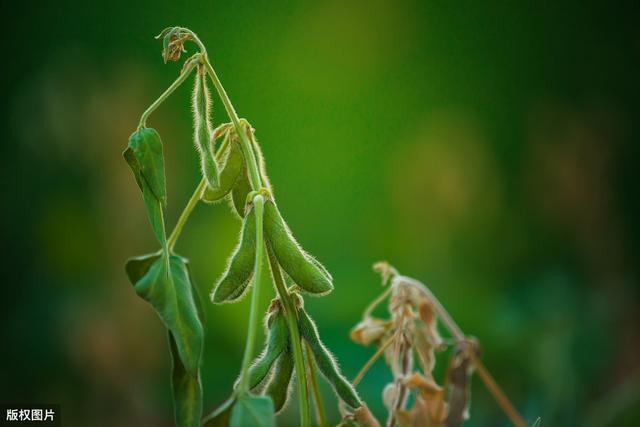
(181,78)
(191,204)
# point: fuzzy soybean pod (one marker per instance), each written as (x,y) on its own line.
(202,131)
(325,361)
(230,173)
(278,386)
(240,191)
(276,342)
(305,271)
(237,276)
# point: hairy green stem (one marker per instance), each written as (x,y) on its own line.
(181,78)
(296,342)
(254,315)
(193,201)
(247,149)
(317,397)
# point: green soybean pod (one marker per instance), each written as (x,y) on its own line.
(240,192)
(305,271)
(239,271)
(279,384)
(202,130)
(233,166)
(325,361)
(276,341)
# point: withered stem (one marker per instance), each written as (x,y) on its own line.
(373,358)
(453,328)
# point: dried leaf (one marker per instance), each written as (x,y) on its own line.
(459,379)
(369,330)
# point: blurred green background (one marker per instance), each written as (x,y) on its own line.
(489,149)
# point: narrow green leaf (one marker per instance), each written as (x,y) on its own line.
(151,203)
(305,271)
(145,147)
(240,267)
(171,294)
(325,361)
(138,266)
(537,422)
(253,411)
(187,391)
(230,174)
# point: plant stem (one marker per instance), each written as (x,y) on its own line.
(317,397)
(376,302)
(486,377)
(372,359)
(254,317)
(442,312)
(298,359)
(247,149)
(191,204)
(193,201)
(181,78)
(497,393)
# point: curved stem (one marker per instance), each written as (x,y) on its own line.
(376,302)
(247,150)
(296,344)
(254,317)
(372,359)
(181,78)
(193,201)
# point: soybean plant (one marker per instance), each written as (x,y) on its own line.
(411,335)
(233,169)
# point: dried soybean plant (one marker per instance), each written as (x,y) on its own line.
(232,169)
(408,340)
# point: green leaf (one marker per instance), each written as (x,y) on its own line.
(537,422)
(187,391)
(138,266)
(144,156)
(171,294)
(253,411)
(145,147)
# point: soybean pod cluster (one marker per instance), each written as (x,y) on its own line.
(233,170)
